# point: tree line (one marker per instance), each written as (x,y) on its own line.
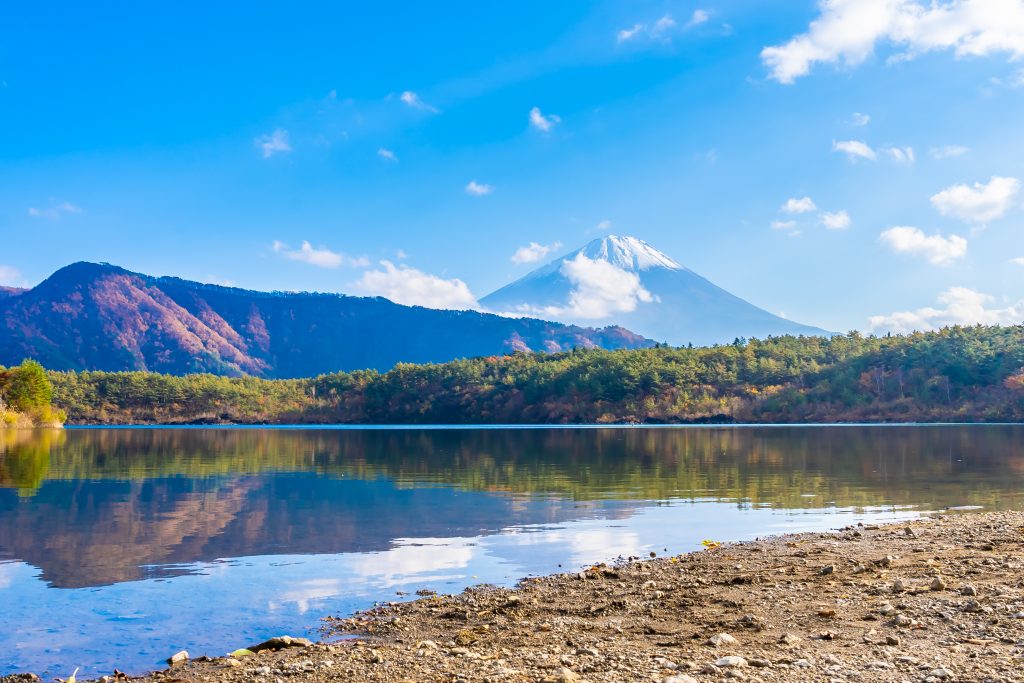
(962,373)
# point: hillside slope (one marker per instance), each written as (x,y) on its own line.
(101,317)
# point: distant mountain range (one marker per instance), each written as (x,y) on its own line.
(90,316)
(624,280)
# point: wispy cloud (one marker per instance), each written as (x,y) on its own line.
(837,220)
(1018,261)
(854,149)
(386,154)
(10,276)
(957,306)
(859,120)
(321,257)
(948,151)
(55,211)
(533,252)
(661,29)
(543,123)
(797,206)
(698,17)
(476,189)
(406,285)
(978,203)
(273,143)
(847,31)
(413,100)
(900,155)
(938,250)
(603,225)
(783,225)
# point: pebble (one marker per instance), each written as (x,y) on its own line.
(680,678)
(178,658)
(898,586)
(937,584)
(730,661)
(968,590)
(721,639)
(789,639)
(941,673)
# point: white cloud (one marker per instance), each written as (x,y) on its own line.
(901,155)
(413,100)
(628,34)
(936,249)
(386,154)
(604,225)
(541,122)
(478,189)
(854,149)
(802,205)
(1018,261)
(978,203)
(948,151)
(273,143)
(959,306)
(533,252)
(54,212)
(10,276)
(858,119)
(661,29)
(600,289)
(838,220)
(847,31)
(321,257)
(783,225)
(411,287)
(698,17)
(663,26)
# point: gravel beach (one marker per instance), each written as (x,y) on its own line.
(936,599)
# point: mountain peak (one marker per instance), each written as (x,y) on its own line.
(627,253)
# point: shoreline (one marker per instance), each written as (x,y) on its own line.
(343,426)
(938,598)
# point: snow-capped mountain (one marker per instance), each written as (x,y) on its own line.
(625,281)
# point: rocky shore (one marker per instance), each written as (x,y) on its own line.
(937,599)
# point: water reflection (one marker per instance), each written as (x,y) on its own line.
(242,532)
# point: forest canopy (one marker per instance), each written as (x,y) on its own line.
(955,374)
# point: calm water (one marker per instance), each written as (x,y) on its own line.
(120,547)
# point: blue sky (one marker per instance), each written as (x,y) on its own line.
(413,144)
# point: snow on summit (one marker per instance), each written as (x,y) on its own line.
(627,253)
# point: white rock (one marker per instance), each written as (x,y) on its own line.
(730,661)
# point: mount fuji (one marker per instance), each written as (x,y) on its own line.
(625,281)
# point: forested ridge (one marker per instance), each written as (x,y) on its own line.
(955,374)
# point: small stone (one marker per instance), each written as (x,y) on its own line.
(721,639)
(937,584)
(802,664)
(588,651)
(565,675)
(903,621)
(232,663)
(790,639)
(178,658)
(759,662)
(679,678)
(892,640)
(909,532)
(972,606)
(827,569)
(886,609)
(968,590)
(898,586)
(280,643)
(878,664)
(730,661)
(941,673)
(426,645)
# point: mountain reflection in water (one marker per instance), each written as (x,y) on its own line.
(108,510)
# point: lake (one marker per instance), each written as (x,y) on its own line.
(119,547)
